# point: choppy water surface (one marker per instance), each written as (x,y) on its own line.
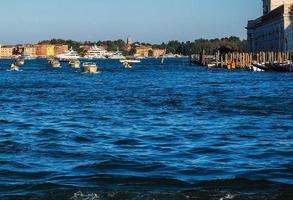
(156,128)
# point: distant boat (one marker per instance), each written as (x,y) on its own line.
(55,64)
(280,67)
(130,60)
(14,67)
(255,68)
(96,52)
(117,56)
(74,63)
(273,67)
(90,67)
(19,61)
(68,55)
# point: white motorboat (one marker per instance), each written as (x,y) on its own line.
(68,55)
(14,67)
(116,56)
(74,63)
(96,53)
(19,61)
(90,67)
(130,61)
(55,64)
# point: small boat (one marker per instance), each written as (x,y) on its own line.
(255,69)
(117,56)
(14,67)
(272,67)
(55,64)
(50,60)
(259,67)
(74,63)
(19,61)
(130,61)
(281,67)
(127,65)
(90,67)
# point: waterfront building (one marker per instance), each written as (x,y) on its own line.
(60,48)
(273,31)
(30,50)
(45,50)
(158,52)
(6,51)
(142,51)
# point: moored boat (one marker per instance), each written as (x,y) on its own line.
(96,53)
(68,55)
(273,67)
(255,69)
(282,67)
(117,56)
(90,67)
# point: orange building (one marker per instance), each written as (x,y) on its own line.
(45,50)
(6,51)
(41,50)
(59,49)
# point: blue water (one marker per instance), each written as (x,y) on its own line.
(152,127)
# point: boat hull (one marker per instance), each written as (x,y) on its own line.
(130,61)
(90,69)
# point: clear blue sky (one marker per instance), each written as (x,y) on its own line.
(23,21)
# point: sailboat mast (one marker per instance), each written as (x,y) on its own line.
(163,57)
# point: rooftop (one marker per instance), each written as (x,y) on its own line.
(271,16)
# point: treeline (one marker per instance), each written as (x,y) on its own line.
(223,45)
(228,44)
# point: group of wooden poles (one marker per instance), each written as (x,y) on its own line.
(239,60)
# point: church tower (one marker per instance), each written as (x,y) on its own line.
(129,42)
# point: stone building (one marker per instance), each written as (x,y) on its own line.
(30,50)
(158,52)
(142,51)
(273,31)
(45,50)
(59,49)
(6,51)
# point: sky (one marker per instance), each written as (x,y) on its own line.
(154,21)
